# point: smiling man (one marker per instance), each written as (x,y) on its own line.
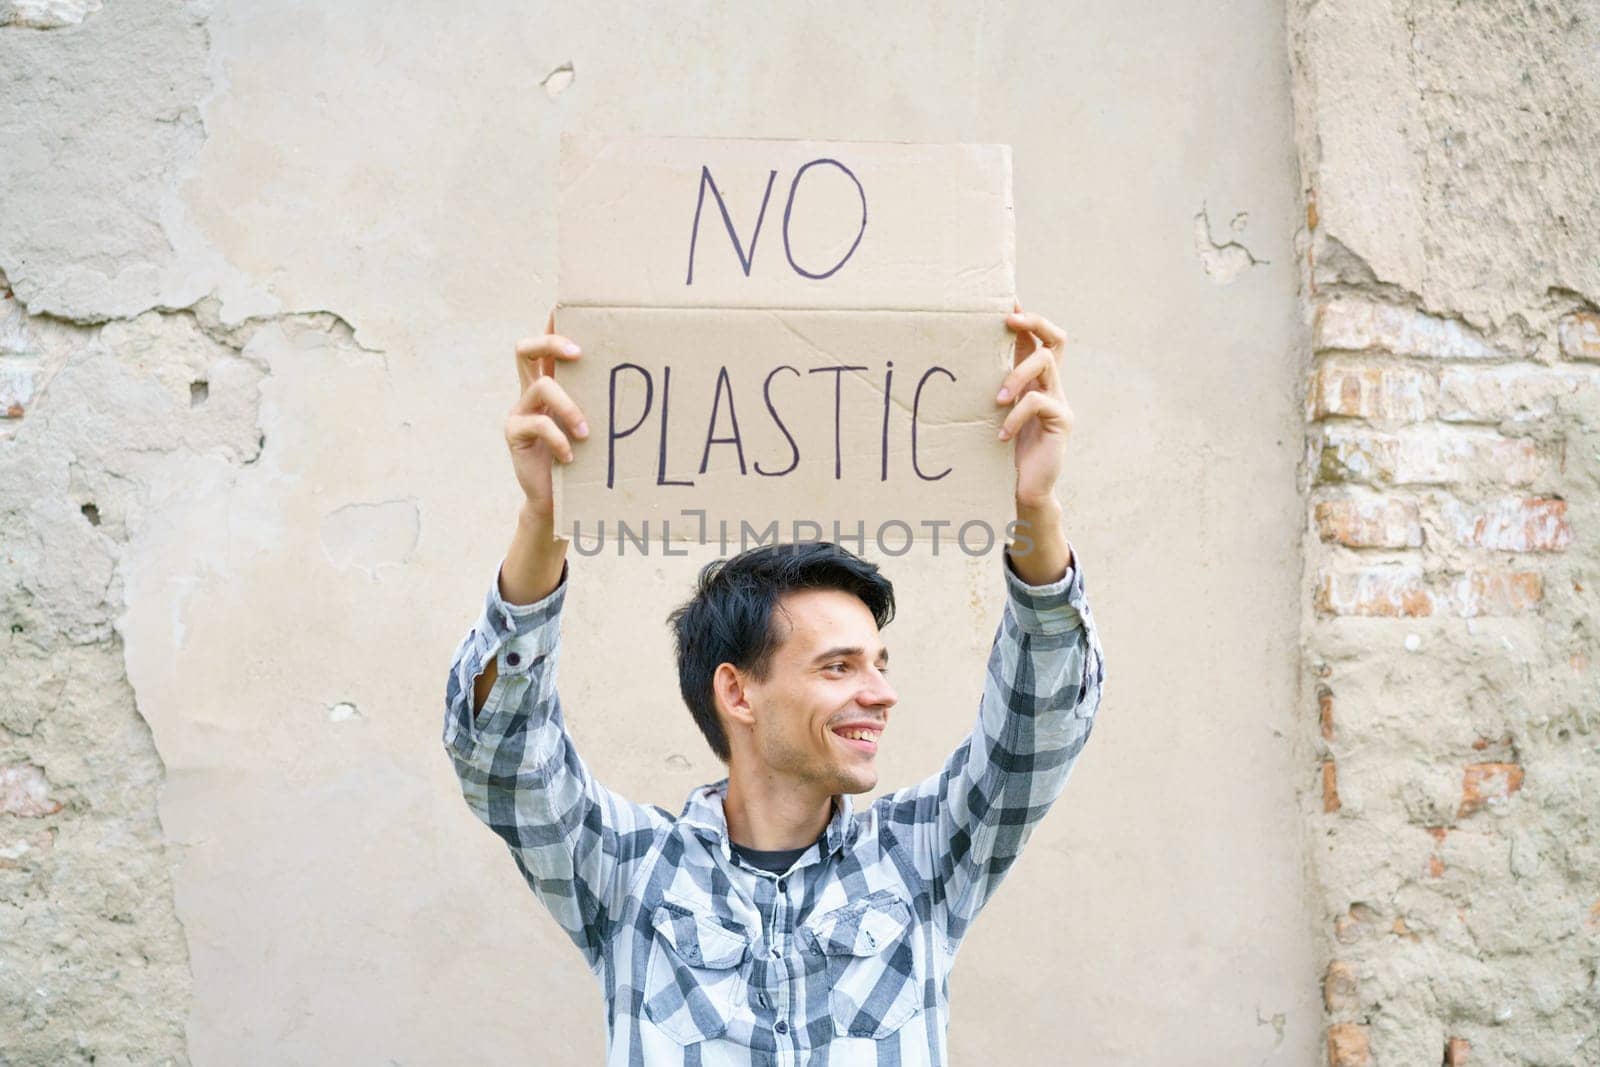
(770,922)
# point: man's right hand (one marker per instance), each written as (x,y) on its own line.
(539,430)
(539,422)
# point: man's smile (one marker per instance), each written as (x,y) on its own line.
(863,737)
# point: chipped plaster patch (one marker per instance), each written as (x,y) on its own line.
(1223,263)
(557,81)
(47,14)
(24,792)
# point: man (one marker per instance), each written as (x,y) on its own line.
(771,923)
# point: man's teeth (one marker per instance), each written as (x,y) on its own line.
(858,735)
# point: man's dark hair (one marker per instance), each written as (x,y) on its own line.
(730,617)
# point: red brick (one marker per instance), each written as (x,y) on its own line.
(1339,991)
(1423,455)
(1393,591)
(1370,391)
(1348,1046)
(1455,1052)
(25,792)
(1488,785)
(1369,522)
(1580,335)
(1330,787)
(1511,524)
(1362,326)
(1325,712)
(1497,593)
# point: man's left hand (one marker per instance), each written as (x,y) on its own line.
(1039,420)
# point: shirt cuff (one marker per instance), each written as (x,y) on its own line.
(1056,608)
(524,633)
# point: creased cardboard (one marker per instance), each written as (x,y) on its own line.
(785,340)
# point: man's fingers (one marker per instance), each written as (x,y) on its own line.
(1039,369)
(525,431)
(1052,411)
(548,345)
(1046,331)
(546,396)
(536,356)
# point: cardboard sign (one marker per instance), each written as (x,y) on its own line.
(785,340)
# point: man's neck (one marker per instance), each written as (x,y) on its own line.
(773,815)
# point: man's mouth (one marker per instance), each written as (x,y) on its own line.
(859,738)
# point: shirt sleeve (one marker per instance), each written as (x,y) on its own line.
(1041,691)
(577,843)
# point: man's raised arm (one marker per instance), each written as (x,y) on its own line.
(577,843)
(1042,686)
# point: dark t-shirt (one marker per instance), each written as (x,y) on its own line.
(774,862)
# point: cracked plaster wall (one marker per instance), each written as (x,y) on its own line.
(1451,273)
(267,262)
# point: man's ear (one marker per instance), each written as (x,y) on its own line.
(729,685)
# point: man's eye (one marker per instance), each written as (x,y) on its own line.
(836,666)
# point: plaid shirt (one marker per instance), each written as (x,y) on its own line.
(844,959)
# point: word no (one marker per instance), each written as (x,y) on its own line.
(747,259)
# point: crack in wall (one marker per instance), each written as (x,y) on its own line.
(1223,263)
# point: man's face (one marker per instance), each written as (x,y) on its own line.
(820,712)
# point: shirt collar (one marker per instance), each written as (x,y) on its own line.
(703,813)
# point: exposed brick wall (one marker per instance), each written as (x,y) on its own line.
(1446,495)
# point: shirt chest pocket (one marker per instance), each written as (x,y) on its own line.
(693,983)
(875,970)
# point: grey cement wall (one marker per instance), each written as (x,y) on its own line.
(264,264)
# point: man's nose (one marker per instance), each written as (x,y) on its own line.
(878,693)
